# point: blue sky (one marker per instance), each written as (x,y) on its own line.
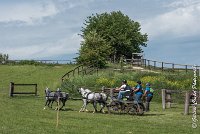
(48,29)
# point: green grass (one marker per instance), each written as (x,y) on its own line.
(42,75)
(24,114)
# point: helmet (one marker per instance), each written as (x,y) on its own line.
(148,84)
(139,82)
(124,81)
(58,90)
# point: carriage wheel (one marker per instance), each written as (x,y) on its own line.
(139,109)
(114,106)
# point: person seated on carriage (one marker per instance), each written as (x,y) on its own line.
(123,89)
(138,92)
(58,90)
(149,95)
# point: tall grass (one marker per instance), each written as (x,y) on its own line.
(113,79)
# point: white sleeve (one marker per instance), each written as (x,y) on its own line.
(123,86)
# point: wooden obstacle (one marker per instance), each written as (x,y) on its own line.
(12,89)
(189,98)
(167,98)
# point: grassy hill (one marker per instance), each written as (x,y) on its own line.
(24,114)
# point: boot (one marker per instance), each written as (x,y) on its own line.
(147,107)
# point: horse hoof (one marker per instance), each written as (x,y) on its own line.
(86,110)
(44,108)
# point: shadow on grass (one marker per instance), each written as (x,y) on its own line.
(146,114)
(67,109)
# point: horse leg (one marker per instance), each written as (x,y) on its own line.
(45,104)
(95,106)
(57,106)
(102,107)
(51,102)
(85,105)
(63,103)
(82,108)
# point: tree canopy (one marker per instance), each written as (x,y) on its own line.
(118,31)
(3,58)
(94,50)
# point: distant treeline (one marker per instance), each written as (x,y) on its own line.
(4,58)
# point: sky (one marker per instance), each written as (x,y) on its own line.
(48,29)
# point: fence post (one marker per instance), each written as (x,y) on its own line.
(11,89)
(163,98)
(187,103)
(186,68)
(162,66)
(103,89)
(173,67)
(111,93)
(145,63)
(148,64)
(36,90)
(82,71)
(97,71)
(168,97)
(154,64)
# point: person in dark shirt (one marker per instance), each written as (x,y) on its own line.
(149,95)
(138,92)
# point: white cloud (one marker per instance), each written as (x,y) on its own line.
(67,45)
(26,12)
(183,3)
(182,21)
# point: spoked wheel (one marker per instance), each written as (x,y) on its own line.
(114,106)
(135,109)
(139,109)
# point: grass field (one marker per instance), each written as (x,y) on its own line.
(25,115)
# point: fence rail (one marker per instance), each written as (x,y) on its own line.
(45,61)
(164,66)
(80,70)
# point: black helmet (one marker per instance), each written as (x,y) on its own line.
(124,81)
(139,82)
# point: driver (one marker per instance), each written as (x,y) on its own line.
(122,90)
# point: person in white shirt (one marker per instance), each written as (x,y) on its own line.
(122,89)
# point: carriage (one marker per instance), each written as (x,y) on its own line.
(127,105)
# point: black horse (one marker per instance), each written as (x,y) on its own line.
(56,96)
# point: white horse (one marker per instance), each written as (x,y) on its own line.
(94,98)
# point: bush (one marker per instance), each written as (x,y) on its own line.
(114,79)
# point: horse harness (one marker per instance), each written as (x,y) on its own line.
(85,96)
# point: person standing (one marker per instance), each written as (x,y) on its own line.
(149,95)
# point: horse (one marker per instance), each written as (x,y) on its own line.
(94,98)
(56,96)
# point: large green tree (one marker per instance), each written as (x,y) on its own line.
(94,50)
(121,33)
